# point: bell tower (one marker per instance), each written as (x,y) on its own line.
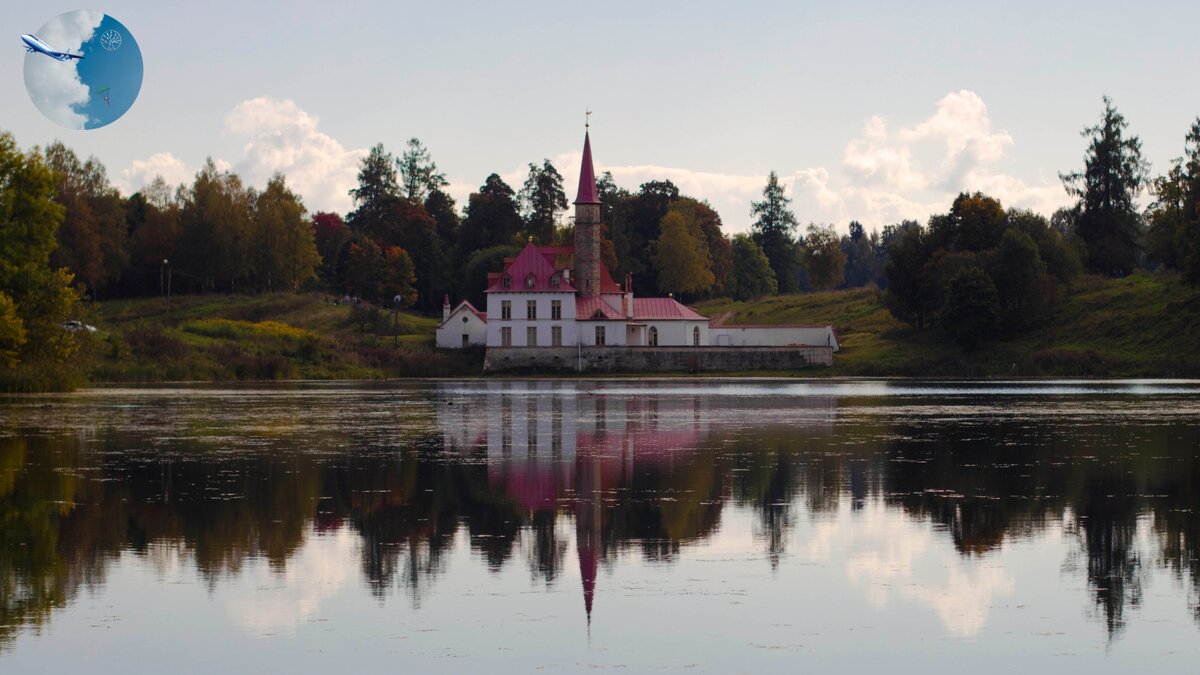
(587,226)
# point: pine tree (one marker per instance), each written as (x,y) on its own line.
(542,199)
(418,172)
(773,232)
(1114,172)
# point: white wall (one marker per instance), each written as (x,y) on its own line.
(519,323)
(450,332)
(772,336)
(614,332)
(677,333)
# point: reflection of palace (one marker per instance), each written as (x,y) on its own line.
(551,446)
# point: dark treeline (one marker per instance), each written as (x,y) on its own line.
(71,510)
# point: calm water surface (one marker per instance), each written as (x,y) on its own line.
(515,526)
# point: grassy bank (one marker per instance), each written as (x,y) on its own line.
(1142,326)
(267,337)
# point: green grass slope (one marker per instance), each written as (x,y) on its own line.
(265,337)
(1142,326)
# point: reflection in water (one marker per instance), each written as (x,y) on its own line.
(914,494)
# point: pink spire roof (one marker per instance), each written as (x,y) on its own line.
(587,176)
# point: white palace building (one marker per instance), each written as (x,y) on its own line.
(557,307)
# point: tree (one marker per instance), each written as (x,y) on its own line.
(971,313)
(705,224)
(1017,272)
(41,297)
(1113,174)
(216,218)
(93,239)
(285,253)
(679,257)
(823,259)
(911,295)
(330,234)
(862,265)
(975,223)
(12,333)
(418,173)
(491,218)
(772,228)
(1189,234)
(542,199)
(474,274)
(751,276)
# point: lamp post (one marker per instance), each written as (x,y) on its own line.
(396,321)
(167,265)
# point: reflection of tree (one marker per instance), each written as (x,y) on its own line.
(70,505)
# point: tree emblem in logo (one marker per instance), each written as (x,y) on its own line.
(110,40)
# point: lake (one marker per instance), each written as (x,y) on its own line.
(634,525)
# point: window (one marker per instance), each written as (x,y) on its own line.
(600,335)
(530,280)
(505,310)
(466,340)
(531,309)
(556,309)
(653,336)
(554,281)
(696,336)
(506,336)
(507,282)
(556,336)
(531,336)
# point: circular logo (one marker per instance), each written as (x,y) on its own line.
(111,40)
(83,69)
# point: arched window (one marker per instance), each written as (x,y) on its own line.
(530,280)
(696,336)
(653,336)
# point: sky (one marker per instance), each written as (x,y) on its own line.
(868,111)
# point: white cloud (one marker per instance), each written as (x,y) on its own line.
(282,137)
(54,85)
(142,171)
(911,172)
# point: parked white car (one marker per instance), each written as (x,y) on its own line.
(74,326)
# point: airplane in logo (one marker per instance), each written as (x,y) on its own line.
(34,44)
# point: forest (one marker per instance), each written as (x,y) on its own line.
(978,272)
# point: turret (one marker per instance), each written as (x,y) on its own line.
(587,227)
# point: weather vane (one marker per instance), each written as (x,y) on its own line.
(587,118)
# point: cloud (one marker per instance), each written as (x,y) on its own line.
(912,172)
(142,171)
(280,137)
(54,85)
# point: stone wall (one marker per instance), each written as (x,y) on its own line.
(653,359)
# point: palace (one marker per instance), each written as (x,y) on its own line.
(559,307)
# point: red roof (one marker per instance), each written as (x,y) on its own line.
(607,285)
(663,309)
(531,270)
(587,176)
(482,315)
(586,309)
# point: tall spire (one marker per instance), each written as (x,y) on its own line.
(587,176)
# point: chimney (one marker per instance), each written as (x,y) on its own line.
(446,308)
(629,294)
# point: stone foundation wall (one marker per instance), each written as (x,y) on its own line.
(654,359)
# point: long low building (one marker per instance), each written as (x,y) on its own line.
(549,300)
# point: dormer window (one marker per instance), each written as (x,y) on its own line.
(555,281)
(530,281)
(507,281)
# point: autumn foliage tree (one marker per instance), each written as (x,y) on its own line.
(680,258)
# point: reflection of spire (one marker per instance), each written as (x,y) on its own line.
(587,528)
